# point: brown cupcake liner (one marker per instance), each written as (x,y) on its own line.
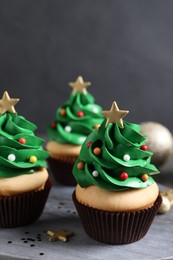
(116,227)
(62,171)
(23,209)
(67,159)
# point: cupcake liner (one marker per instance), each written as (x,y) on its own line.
(62,170)
(116,227)
(66,158)
(23,209)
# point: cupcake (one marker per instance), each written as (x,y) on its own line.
(74,121)
(116,197)
(24,180)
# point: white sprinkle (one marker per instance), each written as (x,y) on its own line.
(68,128)
(126,157)
(11,157)
(95,174)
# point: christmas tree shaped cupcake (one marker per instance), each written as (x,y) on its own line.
(115,188)
(24,181)
(74,121)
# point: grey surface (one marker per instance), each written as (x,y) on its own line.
(125,48)
(60,213)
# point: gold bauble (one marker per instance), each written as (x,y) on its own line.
(165,205)
(159,141)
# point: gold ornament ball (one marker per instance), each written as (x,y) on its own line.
(159,141)
(165,205)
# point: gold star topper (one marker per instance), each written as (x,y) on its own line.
(114,115)
(79,85)
(61,235)
(7,103)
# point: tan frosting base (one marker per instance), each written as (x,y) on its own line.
(55,149)
(23,183)
(117,201)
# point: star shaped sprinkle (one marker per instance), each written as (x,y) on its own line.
(79,85)
(61,235)
(114,115)
(7,103)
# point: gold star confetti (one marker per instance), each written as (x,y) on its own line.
(79,85)
(114,115)
(7,103)
(61,235)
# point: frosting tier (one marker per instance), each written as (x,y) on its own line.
(20,150)
(112,158)
(75,120)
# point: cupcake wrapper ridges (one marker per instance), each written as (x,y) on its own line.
(116,227)
(23,209)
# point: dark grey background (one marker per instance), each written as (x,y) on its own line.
(125,48)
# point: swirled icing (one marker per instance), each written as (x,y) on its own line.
(114,143)
(80,127)
(12,128)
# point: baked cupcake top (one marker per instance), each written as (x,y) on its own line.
(21,151)
(77,118)
(115,156)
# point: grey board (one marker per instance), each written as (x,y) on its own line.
(60,213)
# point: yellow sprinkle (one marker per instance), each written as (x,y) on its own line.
(33,159)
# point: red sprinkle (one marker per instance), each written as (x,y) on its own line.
(53,125)
(80,114)
(124,176)
(144,147)
(22,140)
(89,144)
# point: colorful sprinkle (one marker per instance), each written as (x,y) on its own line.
(144,147)
(97,151)
(144,177)
(95,174)
(22,140)
(11,157)
(80,165)
(96,126)
(68,129)
(53,125)
(32,159)
(63,112)
(80,114)
(126,157)
(124,176)
(89,144)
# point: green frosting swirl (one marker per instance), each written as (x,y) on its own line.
(12,128)
(114,143)
(80,127)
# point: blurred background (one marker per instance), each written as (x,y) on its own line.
(125,48)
